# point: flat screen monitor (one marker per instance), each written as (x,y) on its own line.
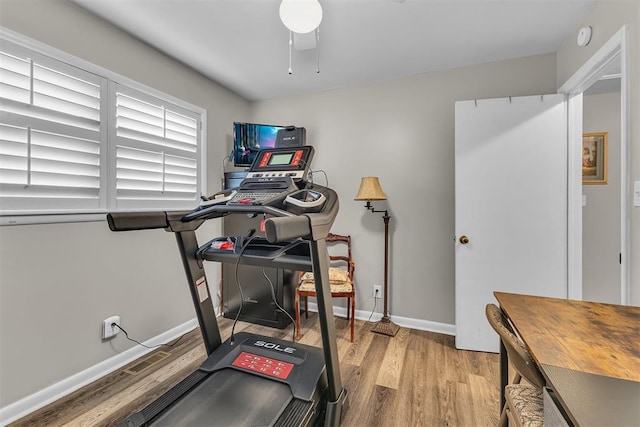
(249,138)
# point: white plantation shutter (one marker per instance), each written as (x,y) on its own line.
(75,138)
(157,152)
(52,130)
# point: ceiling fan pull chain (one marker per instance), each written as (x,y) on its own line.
(318,50)
(290,47)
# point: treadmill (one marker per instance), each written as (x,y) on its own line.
(253,380)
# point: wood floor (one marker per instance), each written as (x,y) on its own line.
(414,379)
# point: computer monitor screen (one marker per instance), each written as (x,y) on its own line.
(249,138)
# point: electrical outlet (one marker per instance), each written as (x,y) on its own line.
(377,291)
(108,330)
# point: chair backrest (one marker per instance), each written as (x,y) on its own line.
(347,259)
(518,354)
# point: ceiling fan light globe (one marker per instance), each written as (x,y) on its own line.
(301,16)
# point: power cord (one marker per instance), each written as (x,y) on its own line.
(145,346)
(375,304)
(326,178)
(225,159)
(273,298)
(233,328)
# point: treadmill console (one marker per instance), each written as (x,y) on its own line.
(290,162)
(274,174)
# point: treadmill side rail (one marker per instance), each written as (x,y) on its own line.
(199,288)
(336,396)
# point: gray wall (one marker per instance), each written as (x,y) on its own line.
(402,131)
(58,282)
(601,215)
(606,18)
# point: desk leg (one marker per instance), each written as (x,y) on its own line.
(504,373)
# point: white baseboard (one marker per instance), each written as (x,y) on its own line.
(407,322)
(29,404)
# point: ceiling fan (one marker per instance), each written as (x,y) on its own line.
(302,18)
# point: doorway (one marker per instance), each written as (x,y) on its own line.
(601,207)
(611,55)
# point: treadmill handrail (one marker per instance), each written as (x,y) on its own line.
(284,225)
(129,221)
(168,220)
(211,211)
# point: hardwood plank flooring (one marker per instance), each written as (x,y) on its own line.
(391,367)
(417,378)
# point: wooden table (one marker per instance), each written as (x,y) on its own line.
(588,352)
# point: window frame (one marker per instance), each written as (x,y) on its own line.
(108,140)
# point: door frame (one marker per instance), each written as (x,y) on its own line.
(585,76)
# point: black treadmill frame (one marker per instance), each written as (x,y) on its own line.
(312,227)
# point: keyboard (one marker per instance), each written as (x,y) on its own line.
(254,197)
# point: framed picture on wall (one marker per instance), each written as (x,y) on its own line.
(594,158)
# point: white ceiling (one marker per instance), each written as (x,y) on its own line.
(243,45)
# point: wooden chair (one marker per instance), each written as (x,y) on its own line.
(341,270)
(524,403)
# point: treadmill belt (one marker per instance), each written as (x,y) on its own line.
(229,398)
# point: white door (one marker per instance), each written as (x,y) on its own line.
(511,204)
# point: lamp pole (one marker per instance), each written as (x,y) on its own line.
(385,313)
(385,325)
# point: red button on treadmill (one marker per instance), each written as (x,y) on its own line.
(245,201)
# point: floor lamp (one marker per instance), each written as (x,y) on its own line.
(370,189)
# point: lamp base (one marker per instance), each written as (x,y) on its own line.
(386,327)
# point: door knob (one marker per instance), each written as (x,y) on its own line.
(464,240)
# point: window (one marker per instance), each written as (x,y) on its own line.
(155,152)
(78,141)
(51,134)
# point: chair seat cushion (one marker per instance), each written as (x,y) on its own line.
(338,280)
(336,276)
(310,286)
(526,403)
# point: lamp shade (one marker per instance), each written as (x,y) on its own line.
(370,189)
(301,16)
